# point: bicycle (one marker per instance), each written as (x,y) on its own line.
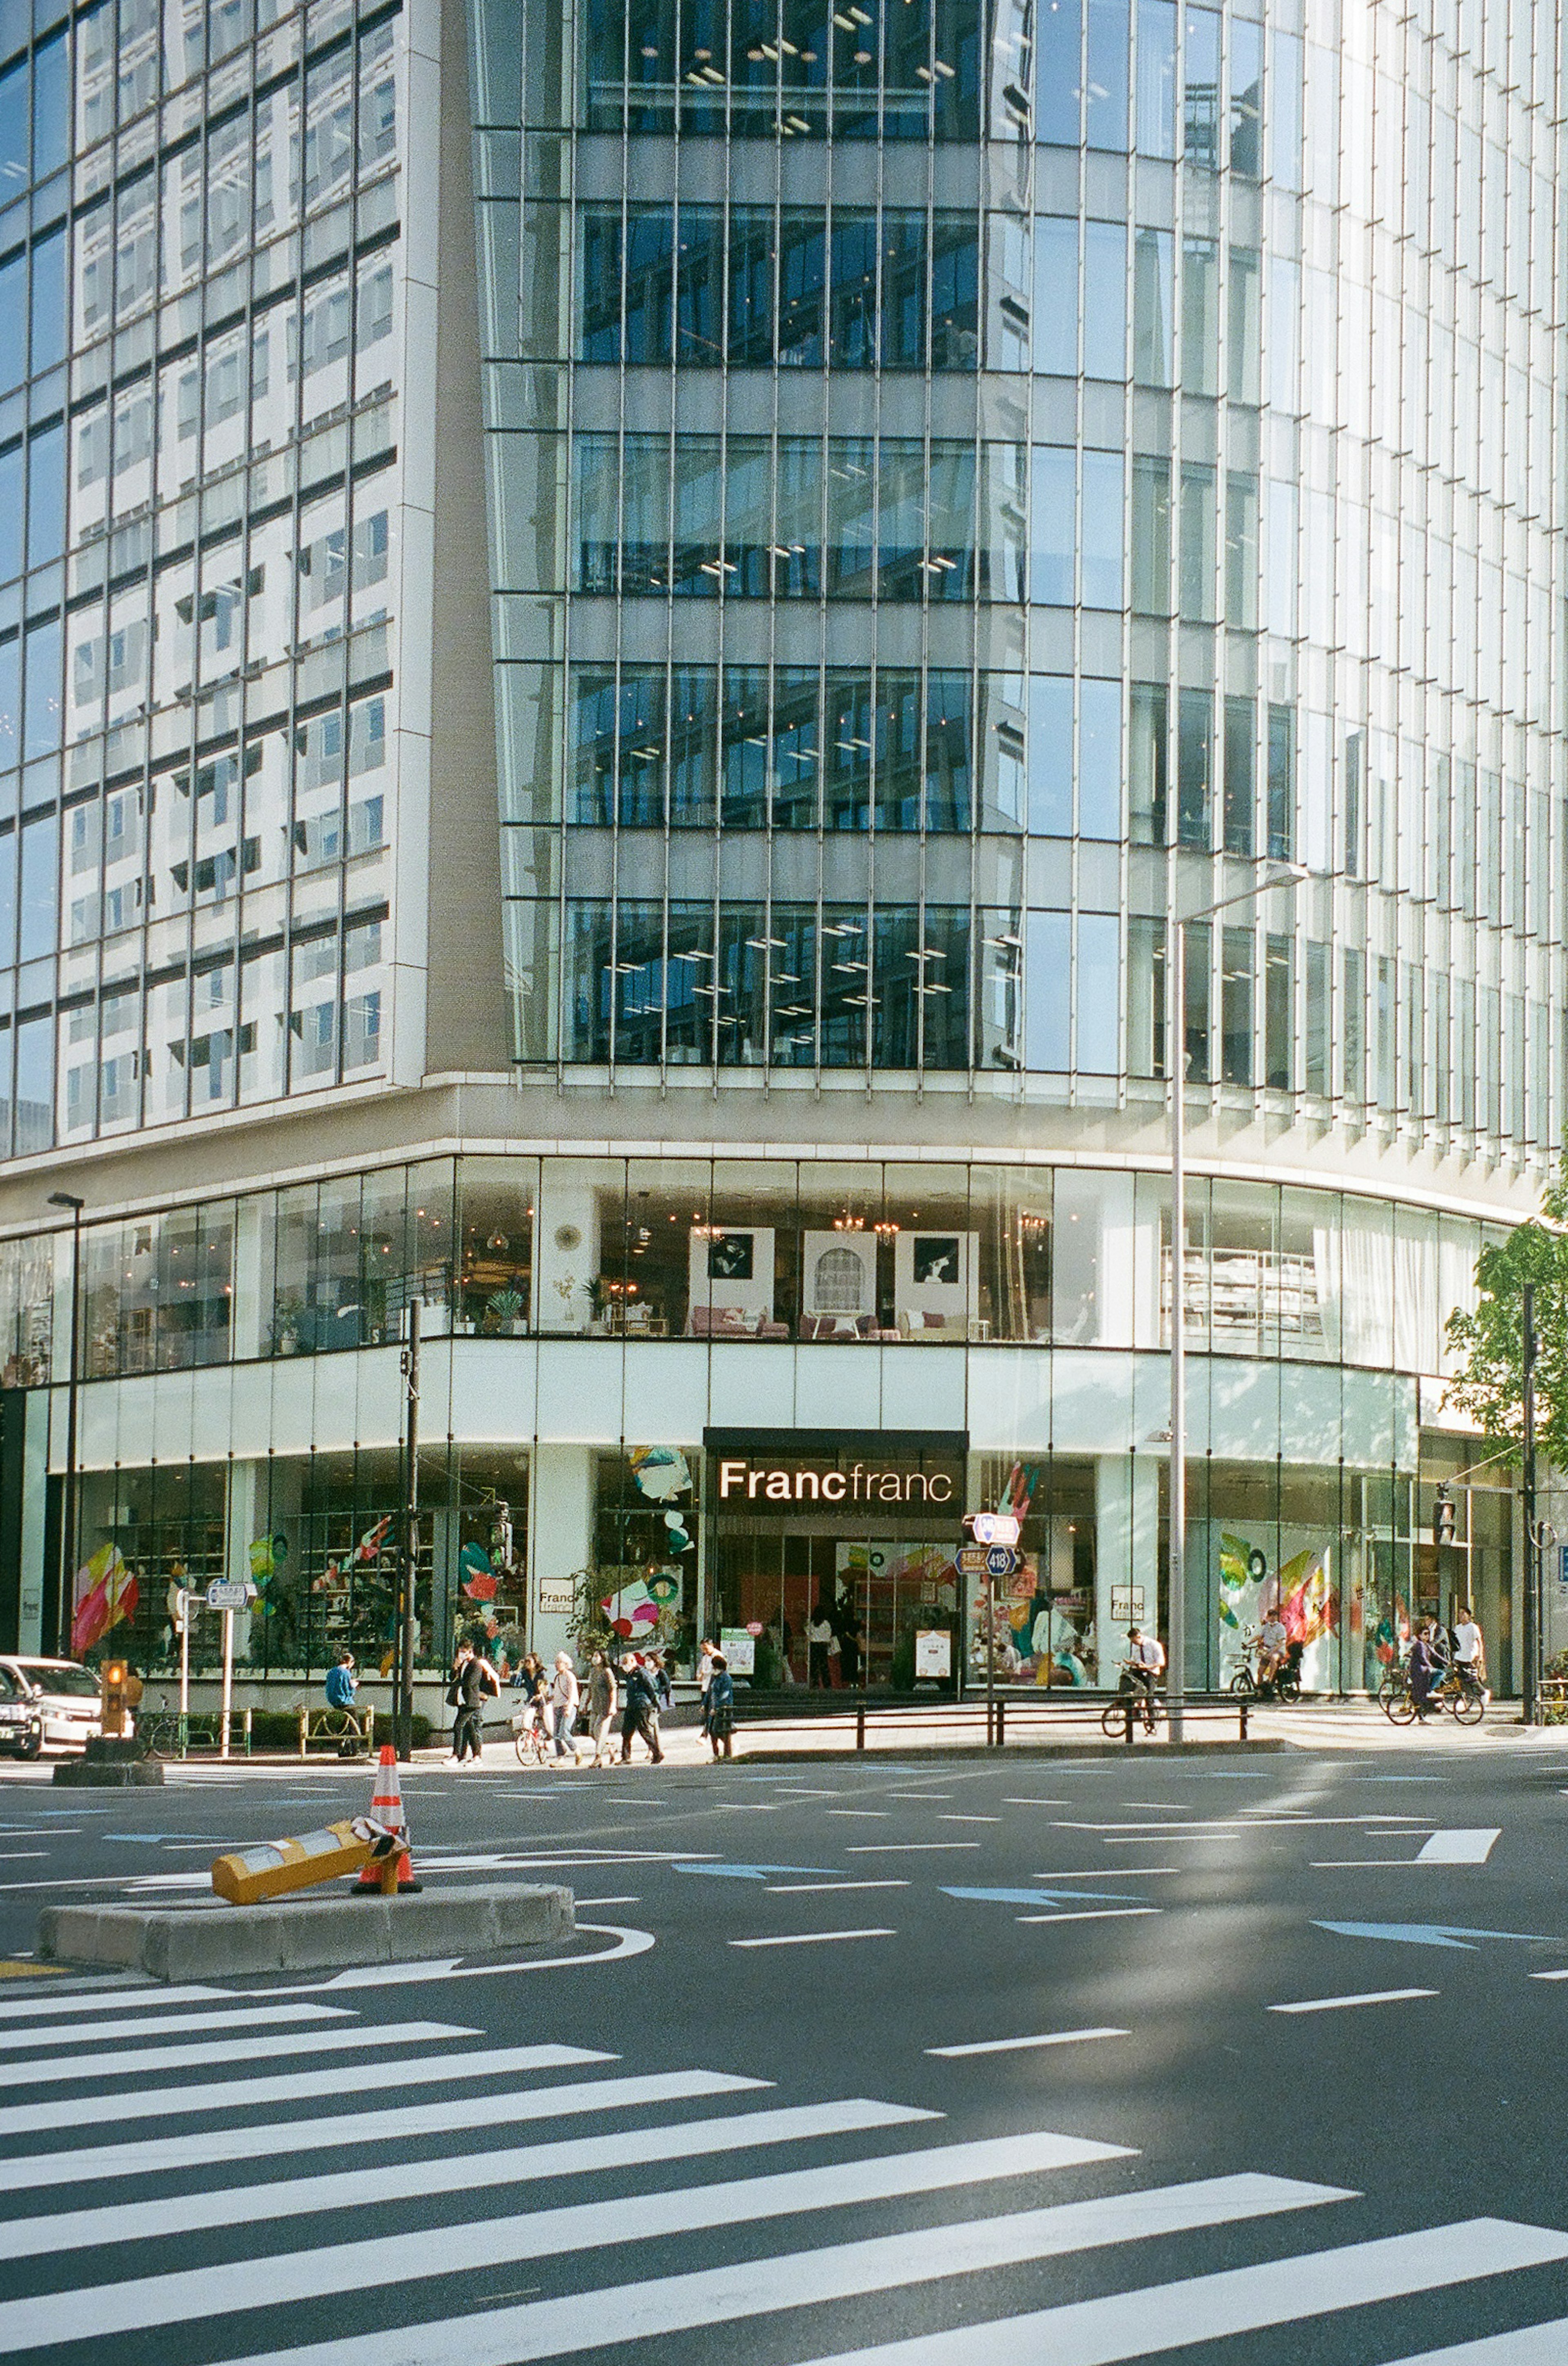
(1284,1684)
(527,1735)
(1147,1704)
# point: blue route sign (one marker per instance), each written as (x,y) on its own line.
(1001,1560)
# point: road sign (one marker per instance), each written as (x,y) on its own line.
(1001,1560)
(228,1593)
(993,1527)
(972,1559)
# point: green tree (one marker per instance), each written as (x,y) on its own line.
(1489,1341)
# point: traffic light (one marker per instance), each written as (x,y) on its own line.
(113,1696)
(1443,1517)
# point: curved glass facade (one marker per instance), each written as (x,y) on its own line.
(1028,449)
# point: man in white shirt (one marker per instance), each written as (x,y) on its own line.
(1469,1651)
(1272,1644)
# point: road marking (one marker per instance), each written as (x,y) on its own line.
(903,1848)
(917,1795)
(1532,2345)
(1343,2004)
(749,1872)
(861,1815)
(581,1903)
(1023,2045)
(17,1857)
(1039,1803)
(134,1999)
(124,2222)
(968,1819)
(285,2087)
(1459,1847)
(78,2033)
(1095,1914)
(1239,2300)
(634,2312)
(254,2049)
(1034,1896)
(1436,1934)
(278,2277)
(1359,1863)
(821,1888)
(1120,1872)
(1227,1827)
(199,2149)
(813,1938)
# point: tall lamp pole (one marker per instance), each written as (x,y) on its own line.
(68,1493)
(407,1631)
(1282,875)
(1530,1688)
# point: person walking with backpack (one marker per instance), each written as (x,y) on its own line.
(564,1697)
(641,1712)
(719,1708)
(603,1697)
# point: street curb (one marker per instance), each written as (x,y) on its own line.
(957,1751)
(306,1934)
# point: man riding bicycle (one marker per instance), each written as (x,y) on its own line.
(1273,1644)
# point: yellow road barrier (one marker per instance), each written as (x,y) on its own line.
(247,1877)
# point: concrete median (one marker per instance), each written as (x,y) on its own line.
(299,1935)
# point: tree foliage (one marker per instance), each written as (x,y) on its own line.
(1489,1341)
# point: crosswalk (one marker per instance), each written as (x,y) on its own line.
(564,2202)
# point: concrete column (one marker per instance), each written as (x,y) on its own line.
(1126,1544)
(245,1501)
(560,1522)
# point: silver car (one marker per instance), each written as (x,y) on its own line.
(47,1703)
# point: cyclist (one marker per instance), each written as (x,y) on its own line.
(1273,1643)
(1143,1665)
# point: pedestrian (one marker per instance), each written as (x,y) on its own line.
(342,1682)
(564,1697)
(719,1709)
(534,1685)
(1425,1665)
(1469,1651)
(474,1682)
(641,1711)
(819,1637)
(706,1655)
(851,1644)
(601,1704)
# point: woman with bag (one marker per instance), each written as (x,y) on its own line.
(564,1708)
(719,1708)
(603,1700)
(472,1682)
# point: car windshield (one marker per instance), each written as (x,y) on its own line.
(76,1684)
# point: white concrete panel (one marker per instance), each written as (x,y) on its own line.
(1151,1403)
(212,1420)
(250,1407)
(334,1383)
(924,1388)
(835,1387)
(1010,1400)
(379,1394)
(754,1387)
(1368,1424)
(580,1388)
(99,1413)
(1238,1415)
(1091,1401)
(1309,1411)
(494,1391)
(174,1413)
(293,1403)
(560,1507)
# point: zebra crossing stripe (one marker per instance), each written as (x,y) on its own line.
(129,1997)
(1532,2345)
(127,2222)
(157,2059)
(77,2035)
(1242,2300)
(199,2149)
(508,2336)
(282,2087)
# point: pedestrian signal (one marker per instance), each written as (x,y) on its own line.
(1444,1518)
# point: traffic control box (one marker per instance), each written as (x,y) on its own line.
(248,1877)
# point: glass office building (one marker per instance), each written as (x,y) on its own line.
(625,629)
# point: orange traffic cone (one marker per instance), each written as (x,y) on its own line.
(392,1875)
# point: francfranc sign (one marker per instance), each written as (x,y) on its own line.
(749,1482)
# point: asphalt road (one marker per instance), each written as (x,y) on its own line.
(933,2063)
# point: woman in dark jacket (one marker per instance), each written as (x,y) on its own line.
(1425,1669)
(719,1710)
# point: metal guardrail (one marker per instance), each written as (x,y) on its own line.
(168,1734)
(339,1726)
(1121,1716)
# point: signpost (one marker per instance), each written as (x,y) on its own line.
(993,1527)
(972,1561)
(1001,1560)
(227,1594)
(993,1555)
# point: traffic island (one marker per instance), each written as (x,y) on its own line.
(111,1762)
(306,1934)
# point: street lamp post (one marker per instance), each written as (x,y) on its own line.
(1176,1061)
(68,1493)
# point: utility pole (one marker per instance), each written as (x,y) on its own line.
(1530,1688)
(407,1630)
(68,1521)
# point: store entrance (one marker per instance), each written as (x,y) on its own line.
(872,1590)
